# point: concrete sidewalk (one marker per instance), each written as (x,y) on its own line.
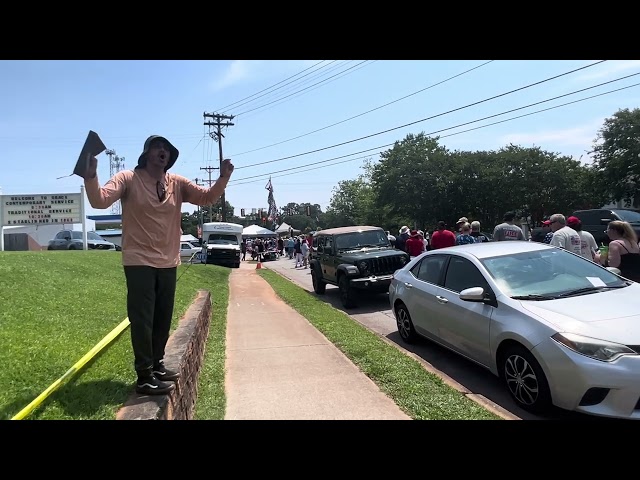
(279,367)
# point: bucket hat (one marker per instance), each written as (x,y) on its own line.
(173,152)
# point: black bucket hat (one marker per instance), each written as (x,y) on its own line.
(142,161)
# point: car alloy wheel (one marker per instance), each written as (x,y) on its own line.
(525,380)
(405,325)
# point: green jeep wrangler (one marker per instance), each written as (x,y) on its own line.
(356,259)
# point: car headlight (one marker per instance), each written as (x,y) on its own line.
(363,267)
(403,260)
(593,347)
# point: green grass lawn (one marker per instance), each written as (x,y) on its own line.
(57,305)
(420,394)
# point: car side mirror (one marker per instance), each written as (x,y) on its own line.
(473,294)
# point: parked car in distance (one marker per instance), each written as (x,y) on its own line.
(188,250)
(72,240)
(556,328)
(595,221)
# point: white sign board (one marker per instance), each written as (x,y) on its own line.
(49,209)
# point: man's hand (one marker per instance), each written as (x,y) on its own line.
(92,167)
(226,169)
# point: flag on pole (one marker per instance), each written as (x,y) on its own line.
(273,210)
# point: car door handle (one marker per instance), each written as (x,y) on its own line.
(408,285)
(441,299)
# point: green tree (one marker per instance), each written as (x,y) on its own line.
(351,202)
(616,154)
(412,181)
(190,222)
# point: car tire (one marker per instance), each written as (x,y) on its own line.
(525,380)
(405,324)
(318,284)
(347,294)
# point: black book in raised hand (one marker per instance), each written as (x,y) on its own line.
(93,147)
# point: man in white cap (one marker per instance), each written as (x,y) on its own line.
(401,239)
(151,216)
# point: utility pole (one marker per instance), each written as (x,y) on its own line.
(200,211)
(115,165)
(217,135)
(209,170)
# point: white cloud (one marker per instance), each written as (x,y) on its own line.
(237,71)
(245,71)
(578,136)
(609,69)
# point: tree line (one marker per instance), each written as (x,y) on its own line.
(419,181)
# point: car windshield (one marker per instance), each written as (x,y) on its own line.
(222,239)
(371,238)
(547,273)
(90,236)
(628,216)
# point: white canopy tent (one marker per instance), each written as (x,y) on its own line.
(188,238)
(257,231)
(285,228)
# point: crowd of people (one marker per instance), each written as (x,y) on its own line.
(623,251)
(292,247)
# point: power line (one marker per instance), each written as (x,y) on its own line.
(293,96)
(424,119)
(441,130)
(276,84)
(306,88)
(194,149)
(364,113)
(314,74)
(283,94)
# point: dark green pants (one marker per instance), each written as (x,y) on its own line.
(150,296)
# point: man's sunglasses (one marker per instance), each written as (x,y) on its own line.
(161,191)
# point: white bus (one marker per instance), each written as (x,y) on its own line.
(221,243)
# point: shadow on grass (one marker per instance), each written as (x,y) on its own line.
(76,399)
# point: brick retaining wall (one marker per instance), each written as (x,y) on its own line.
(184,352)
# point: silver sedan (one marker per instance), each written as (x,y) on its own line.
(556,328)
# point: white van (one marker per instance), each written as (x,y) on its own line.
(221,243)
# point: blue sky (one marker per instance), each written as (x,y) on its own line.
(48,107)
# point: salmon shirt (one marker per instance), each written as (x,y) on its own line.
(151,228)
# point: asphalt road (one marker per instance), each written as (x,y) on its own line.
(374,313)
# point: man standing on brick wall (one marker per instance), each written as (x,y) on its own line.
(151,202)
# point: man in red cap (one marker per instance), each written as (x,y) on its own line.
(543,234)
(588,245)
(151,216)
